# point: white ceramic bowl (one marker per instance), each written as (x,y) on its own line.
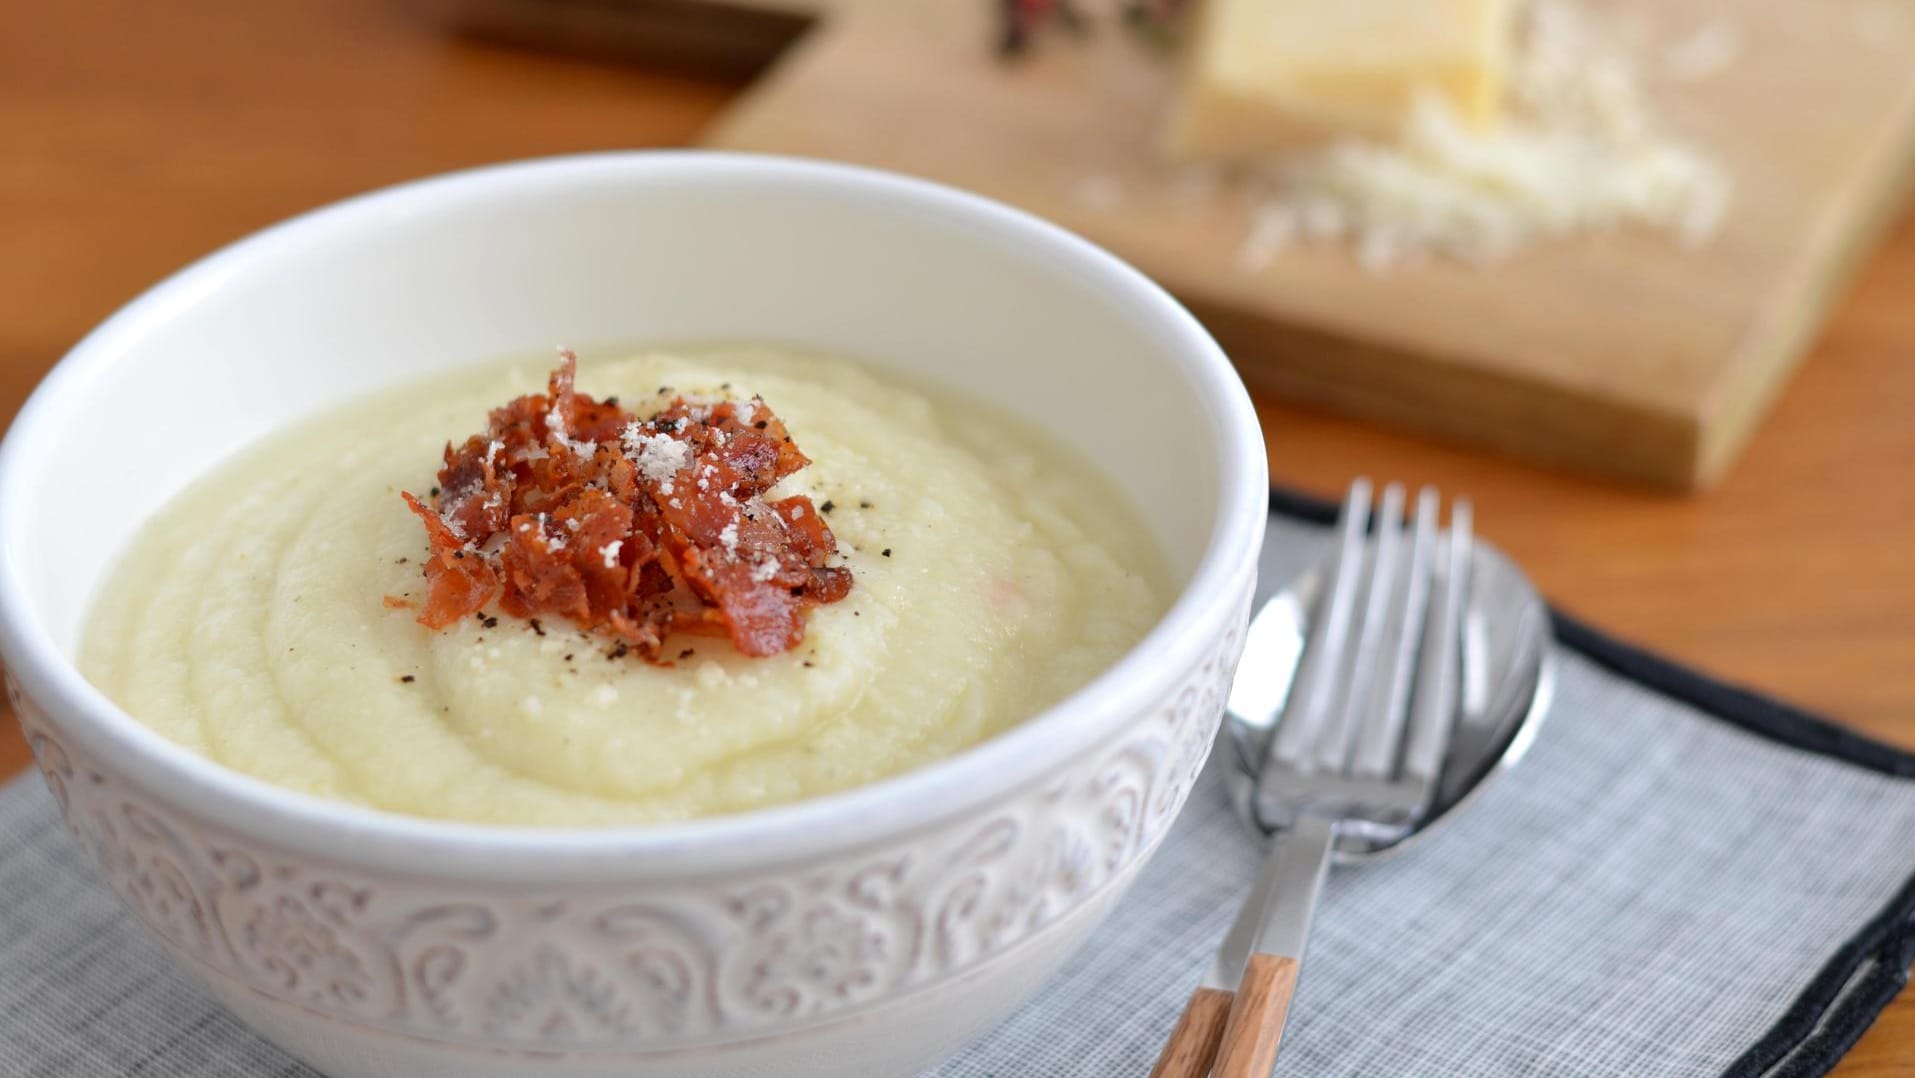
(869,932)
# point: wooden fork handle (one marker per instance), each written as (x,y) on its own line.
(1257,1016)
(1193,1044)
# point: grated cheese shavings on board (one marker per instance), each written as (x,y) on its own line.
(1580,151)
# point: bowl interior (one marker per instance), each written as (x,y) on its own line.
(585,251)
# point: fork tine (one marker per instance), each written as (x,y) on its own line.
(1433,707)
(1380,739)
(1359,677)
(1316,684)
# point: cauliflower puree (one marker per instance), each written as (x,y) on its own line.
(993,574)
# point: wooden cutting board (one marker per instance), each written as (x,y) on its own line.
(1620,355)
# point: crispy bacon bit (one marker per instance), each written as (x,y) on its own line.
(633,528)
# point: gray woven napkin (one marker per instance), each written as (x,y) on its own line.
(1714,887)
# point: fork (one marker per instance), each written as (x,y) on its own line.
(1356,757)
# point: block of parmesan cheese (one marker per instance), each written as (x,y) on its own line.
(1263,75)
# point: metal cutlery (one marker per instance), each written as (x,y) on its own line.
(1375,695)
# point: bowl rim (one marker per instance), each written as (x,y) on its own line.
(797,831)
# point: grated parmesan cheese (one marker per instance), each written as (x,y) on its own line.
(658,457)
(1579,152)
(582,449)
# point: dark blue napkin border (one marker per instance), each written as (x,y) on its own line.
(1872,967)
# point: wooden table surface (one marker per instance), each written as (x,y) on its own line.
(136,136)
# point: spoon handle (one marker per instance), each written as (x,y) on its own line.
(1193,1044)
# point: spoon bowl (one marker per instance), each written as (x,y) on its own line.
(1507,680)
